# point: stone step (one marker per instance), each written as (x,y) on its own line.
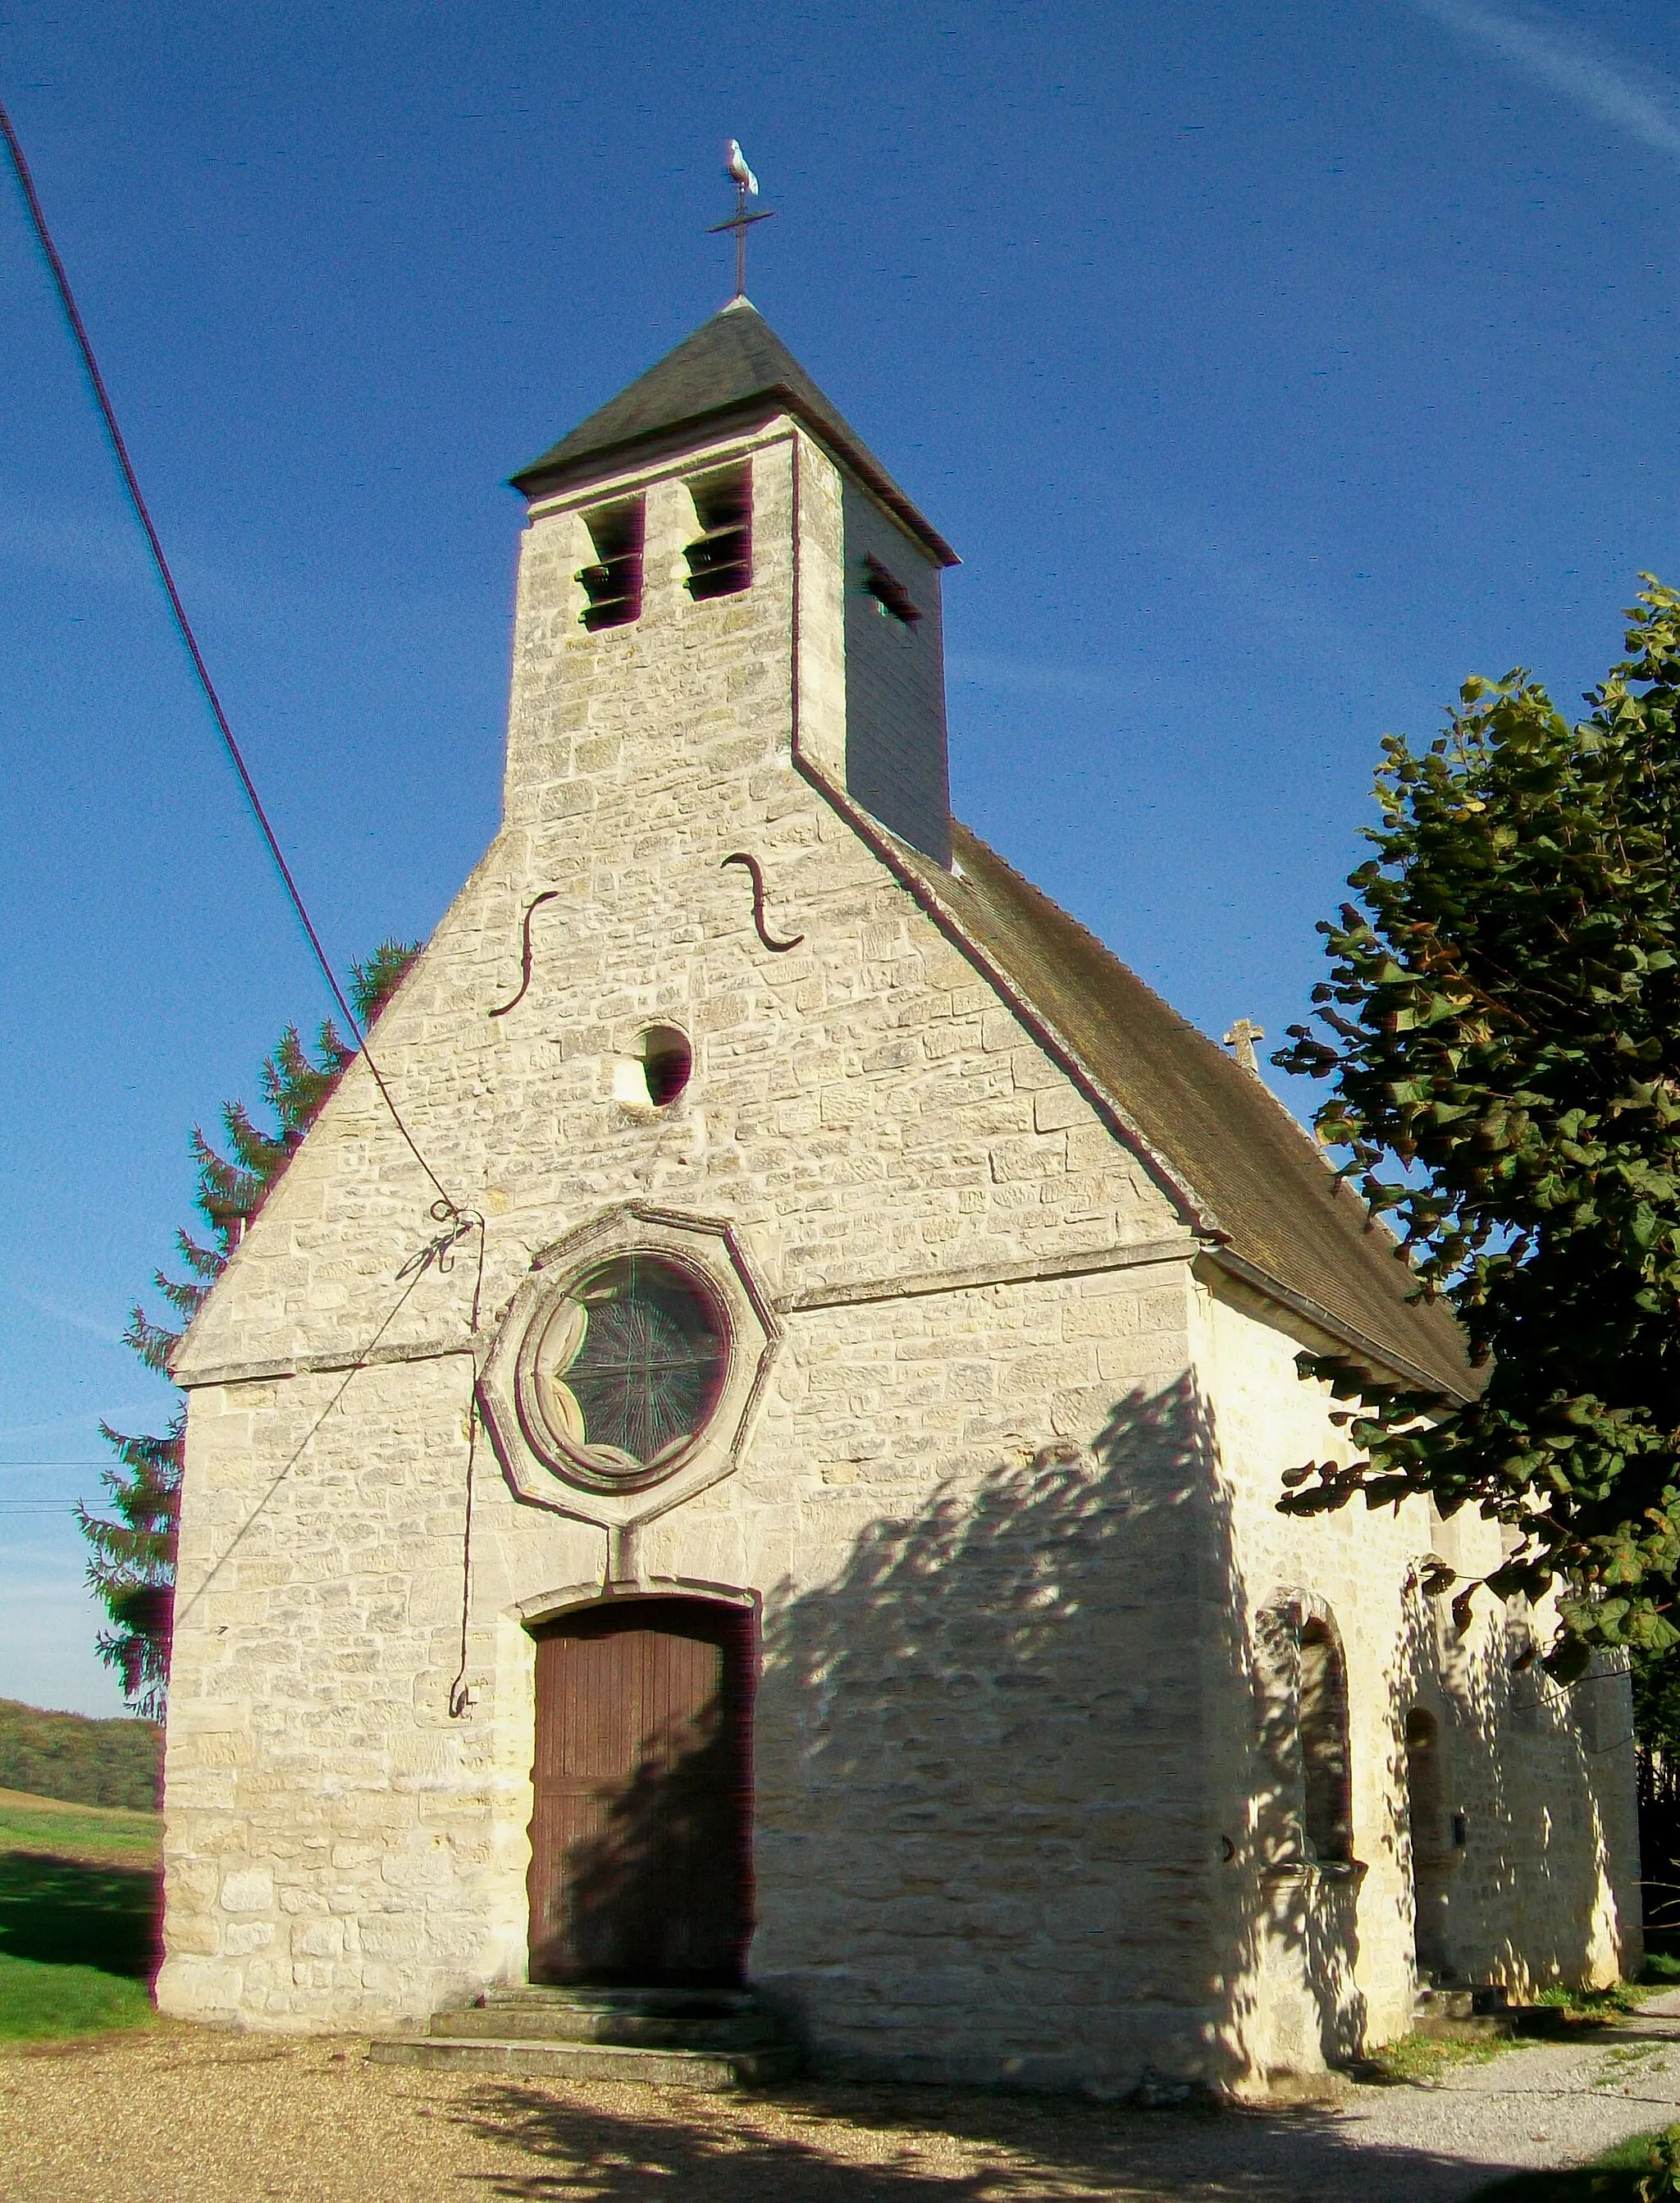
(570,2023)
(1476,2014)
(710,2071)
(651,2003)
(1460,2001)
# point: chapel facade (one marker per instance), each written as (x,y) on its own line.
(801,1511)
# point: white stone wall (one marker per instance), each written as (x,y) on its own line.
(1002,1537)
(1545,1886)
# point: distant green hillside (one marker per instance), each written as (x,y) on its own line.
(90,1763)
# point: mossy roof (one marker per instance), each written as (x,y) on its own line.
(1259,1176)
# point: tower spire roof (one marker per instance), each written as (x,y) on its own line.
(732,370)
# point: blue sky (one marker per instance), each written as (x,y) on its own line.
(1272,368)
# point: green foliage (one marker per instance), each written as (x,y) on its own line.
(88,1763)
(132,1559)
(132,1563)
(1559,2007)
(1615,2177)
(1503,1023)
(1419,2060)
(1663,2180)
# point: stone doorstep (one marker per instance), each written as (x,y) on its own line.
(726,2032)
(1476,2014)
(713,2071)
(685,2038)
(668,2003)
(1474,2000)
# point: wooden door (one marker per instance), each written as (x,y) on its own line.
(640,1839)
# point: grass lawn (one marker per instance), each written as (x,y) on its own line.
(78,1905)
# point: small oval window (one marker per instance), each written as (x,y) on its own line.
(657,1069)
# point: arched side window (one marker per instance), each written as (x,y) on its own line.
(1425,1790)
(1305,1808)
(1326,1806)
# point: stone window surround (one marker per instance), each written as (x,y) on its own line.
(1279,1622)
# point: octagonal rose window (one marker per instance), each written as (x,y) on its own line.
(623,1373)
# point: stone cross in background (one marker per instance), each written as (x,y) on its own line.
(1240,1041)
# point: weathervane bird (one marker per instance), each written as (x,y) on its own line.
(746,187)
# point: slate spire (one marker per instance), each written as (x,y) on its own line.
(733,371)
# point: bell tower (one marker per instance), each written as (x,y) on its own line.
(718,574)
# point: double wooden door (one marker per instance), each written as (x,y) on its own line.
(641,1835)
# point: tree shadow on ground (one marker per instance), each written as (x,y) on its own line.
(847,2143)
(64,1913)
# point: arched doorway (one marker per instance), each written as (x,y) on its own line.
(640,1837)
(1431,1855)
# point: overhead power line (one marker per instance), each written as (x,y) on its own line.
(108,413)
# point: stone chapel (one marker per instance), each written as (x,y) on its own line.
(787,1549)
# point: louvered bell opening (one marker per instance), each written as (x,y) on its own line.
(720,559)
(613,584)
(892,597)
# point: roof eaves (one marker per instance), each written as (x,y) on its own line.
(1381,1357)
(543,479)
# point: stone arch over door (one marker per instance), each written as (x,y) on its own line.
(640,1870)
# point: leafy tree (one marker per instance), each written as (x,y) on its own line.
(132,1563)
(1502,1027)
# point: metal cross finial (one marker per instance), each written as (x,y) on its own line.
(746,186)
(1240,1041)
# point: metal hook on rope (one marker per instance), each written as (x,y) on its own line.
(457,1223)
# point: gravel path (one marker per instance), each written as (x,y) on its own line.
(186,2115)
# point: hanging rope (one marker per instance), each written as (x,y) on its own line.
(137,497)
(460,1698)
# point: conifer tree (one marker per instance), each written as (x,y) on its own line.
(132,1562)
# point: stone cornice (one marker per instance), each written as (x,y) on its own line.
(1035,1269)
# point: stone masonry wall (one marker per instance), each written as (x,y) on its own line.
(1544,1887)
(1002,1538)
(862,1110)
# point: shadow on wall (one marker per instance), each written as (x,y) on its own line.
(1292,1905)
(643,1901)
(987,1844)
(1035,1802)
(1490,1817)
(1504,1841)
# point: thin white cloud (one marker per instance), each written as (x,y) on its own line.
(106,554)
(1604,84)
(77,1319)
(1019,675)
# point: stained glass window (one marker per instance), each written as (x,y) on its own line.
(632,1361)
